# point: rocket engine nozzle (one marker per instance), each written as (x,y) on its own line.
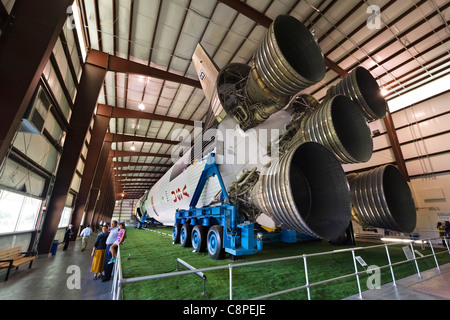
(339,125)
(287,61)
(305,190)
(363,89)
(382,198)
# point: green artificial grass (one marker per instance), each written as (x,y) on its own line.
(148,253)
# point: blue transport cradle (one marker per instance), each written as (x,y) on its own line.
(218,228)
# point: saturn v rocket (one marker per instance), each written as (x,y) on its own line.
(280,152)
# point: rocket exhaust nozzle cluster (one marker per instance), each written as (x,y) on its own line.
(305,188)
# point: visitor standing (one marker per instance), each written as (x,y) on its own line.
(67,236)
(98,252)
(112,237)
(121,235)
(85,236)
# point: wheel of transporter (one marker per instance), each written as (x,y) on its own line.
(215,242)
(185,235)
(176,233)
(198,238)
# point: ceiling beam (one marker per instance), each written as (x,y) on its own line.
(116,112)
(122,172)
(115,137)
(117,64)
(136,180)
(265,21)
(143,187)
(249,12)
(119,153)
(144,184)
(142,180)
(137,187)
(132,180)
(129,189)
(136,194)
(139,164)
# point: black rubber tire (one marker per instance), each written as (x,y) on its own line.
(185,235)
(176,233)
(215,242)
(198,238)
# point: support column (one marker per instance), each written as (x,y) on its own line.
(103,166)
(395,144)
(91,81)
(26,44)
(100,206)
(101,123)
(108,206)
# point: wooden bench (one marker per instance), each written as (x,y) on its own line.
(13,258)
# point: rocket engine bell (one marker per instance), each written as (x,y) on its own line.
(381,197)
(287,61)
(305,190)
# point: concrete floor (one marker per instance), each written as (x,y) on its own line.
(56,277)
(432,285)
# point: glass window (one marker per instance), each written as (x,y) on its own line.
(10,205)
(38,149)
(55,85)
(64,69)
(54,128)
(65,217)
(17,177)
(18,212)
(29,213)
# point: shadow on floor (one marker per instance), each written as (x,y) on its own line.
(64,276)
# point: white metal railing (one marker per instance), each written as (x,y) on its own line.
(116,289)
(119,281)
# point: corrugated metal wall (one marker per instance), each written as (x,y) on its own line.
(424,134)
(124,210)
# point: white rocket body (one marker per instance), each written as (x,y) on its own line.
(235,152)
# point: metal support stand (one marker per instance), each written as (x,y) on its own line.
(351,241)
(199,274)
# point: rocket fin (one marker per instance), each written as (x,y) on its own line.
(207,72)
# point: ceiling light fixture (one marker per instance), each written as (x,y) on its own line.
(141,106)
